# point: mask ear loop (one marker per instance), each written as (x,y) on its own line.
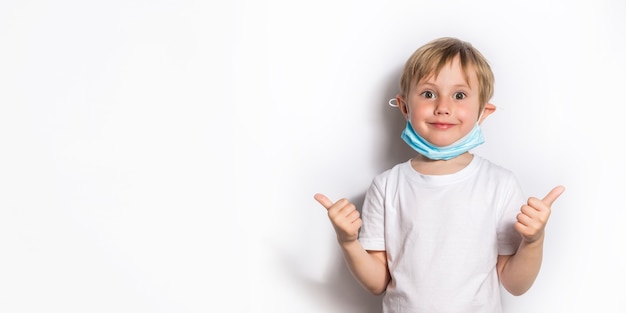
(480,116)
(393,102)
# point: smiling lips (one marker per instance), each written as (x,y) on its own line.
(442,125)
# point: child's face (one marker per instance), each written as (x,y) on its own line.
(444,109)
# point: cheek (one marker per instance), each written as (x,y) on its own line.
(420,112)
(469,115)
(414,116)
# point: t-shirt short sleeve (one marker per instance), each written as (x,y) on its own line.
(511,202)
(372,233)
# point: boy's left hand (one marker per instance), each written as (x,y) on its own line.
(532,219)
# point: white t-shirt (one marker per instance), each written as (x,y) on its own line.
(442,235)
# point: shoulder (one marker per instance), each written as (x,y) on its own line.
(496,176)
(392,173)
(390,178)
(492,168)
(500,180)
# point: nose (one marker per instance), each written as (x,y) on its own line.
(442,107)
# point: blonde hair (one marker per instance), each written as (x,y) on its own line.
(431,57)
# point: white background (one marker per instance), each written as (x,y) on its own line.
(162,156)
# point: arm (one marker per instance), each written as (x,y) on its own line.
(368,267)
(518,272)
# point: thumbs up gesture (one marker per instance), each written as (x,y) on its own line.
(533,216)
(343,215)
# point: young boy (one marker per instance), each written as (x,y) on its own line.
(442,231)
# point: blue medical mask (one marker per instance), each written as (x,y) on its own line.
(473,139)
(427,149)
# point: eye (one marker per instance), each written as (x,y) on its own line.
(459,95)
(428,94)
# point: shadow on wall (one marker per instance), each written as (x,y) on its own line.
(339,289)
(392,123)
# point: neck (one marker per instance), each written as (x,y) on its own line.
(427,166)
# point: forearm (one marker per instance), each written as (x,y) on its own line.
(369,269)
(521,269)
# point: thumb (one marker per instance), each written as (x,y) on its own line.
(553,195)
(323,200)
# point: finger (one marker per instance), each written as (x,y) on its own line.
(522,228)
(523,219)
(323,200)
(528,210)
(530,216)
(553,195)
(353,216)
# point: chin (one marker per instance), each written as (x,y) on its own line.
(442,143)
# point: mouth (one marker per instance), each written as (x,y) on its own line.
(442,125)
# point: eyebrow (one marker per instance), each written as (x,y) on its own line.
(426,84)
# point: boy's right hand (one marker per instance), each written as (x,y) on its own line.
(343,215)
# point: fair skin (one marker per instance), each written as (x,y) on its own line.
(442,110)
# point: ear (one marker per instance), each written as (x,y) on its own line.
(402,105)
(487,110)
